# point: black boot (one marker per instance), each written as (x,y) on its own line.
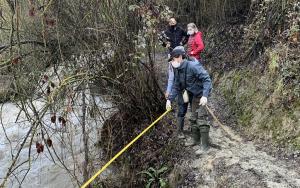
(180,124)
(195,131)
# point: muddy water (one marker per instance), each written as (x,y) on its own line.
(44,172)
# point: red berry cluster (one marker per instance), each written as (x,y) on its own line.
(61,120)
(53,118)
(50,87)
(49,142)
(39,147)
(16,60)
(44,79)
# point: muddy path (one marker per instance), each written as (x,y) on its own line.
(228,162)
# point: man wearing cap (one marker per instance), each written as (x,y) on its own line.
(171,71)
(189,77)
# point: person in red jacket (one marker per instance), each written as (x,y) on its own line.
(195,42)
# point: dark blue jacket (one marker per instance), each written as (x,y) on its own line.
(176,36)
(193,77)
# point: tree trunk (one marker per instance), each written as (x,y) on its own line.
(85,136)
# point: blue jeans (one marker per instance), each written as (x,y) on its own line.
(182,107)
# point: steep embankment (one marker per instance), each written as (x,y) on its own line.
(256,66)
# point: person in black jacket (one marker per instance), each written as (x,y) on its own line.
(174,36)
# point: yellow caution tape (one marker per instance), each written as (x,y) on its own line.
(123,150)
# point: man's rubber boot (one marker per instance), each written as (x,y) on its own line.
(195,137)
(204,131)
(195,131)
(180,124)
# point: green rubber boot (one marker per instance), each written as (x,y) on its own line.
(193,119)
(196,135)
(204,131)
(195,131)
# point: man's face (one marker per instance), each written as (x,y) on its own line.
(172,22)
(177,58)
(176,62)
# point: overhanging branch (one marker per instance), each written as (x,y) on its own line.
(4,47)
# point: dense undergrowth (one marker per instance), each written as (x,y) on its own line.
(256,67)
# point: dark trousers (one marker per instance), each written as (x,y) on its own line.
(182,107)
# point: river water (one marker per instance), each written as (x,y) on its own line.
(46,170)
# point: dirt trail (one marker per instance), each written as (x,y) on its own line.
(229,163)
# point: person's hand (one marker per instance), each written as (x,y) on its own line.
(167,94)
(168,105)
(168,45)
(203,101)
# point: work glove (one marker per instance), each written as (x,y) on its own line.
(168,45)
(168,105)
(203,101)
(167,95)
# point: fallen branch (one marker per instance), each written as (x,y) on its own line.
(4,47)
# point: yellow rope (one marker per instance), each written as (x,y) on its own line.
(124,149)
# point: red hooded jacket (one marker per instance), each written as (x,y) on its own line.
(195,45)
